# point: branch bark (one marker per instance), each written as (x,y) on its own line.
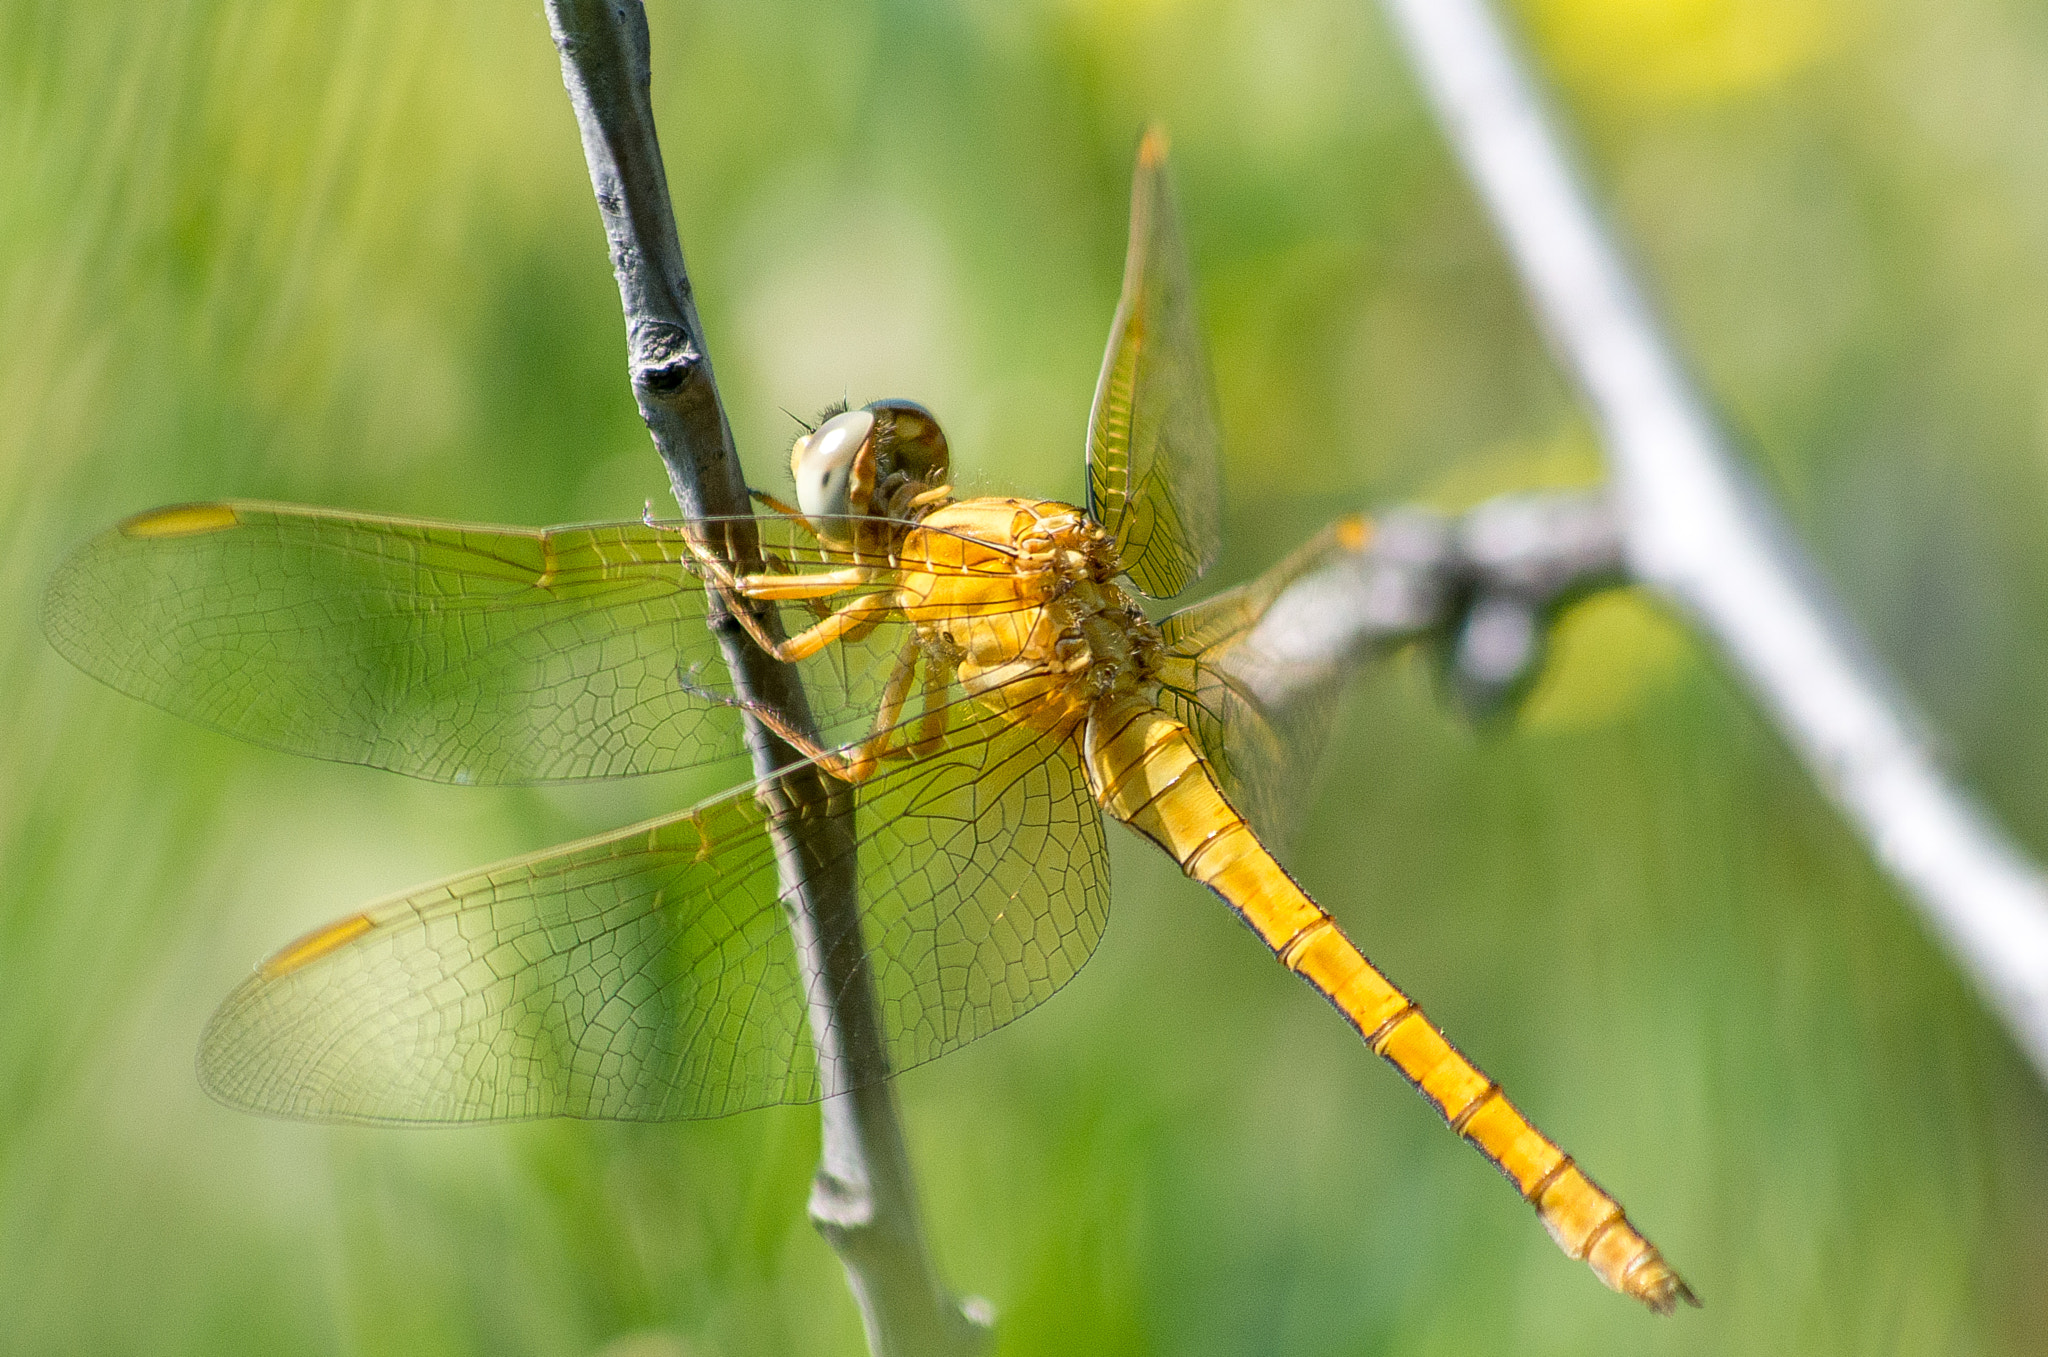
(863,1198)
(1695,526)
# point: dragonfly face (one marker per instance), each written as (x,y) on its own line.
(887,460)
(985,688)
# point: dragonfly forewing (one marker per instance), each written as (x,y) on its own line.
(447,651)
(1154,446)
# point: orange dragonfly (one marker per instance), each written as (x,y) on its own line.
(983,686)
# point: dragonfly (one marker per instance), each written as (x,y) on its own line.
(983,688)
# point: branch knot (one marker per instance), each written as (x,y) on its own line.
(664,358)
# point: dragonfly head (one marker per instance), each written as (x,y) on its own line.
(869,460)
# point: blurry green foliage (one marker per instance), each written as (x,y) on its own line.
(345,254)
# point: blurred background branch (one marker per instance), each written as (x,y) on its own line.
(1480,588)
(863,1198)
(1694,525)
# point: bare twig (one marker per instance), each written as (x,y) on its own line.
(1695,526)
(863,1198)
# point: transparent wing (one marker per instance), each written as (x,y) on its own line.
(650,973)
(1261,717)
(1153,443)
(447,651)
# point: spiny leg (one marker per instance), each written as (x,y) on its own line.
(822,584)
(860,616)
(853,622)
(730,594)
(783,507)
(881,743)
(939,669)
(884,739)
(858,762)
(860,631)
(853,635)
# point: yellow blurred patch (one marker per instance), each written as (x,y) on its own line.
(1608,654)
(1667,53)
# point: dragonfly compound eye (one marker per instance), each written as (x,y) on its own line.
(823,463)
(908,440)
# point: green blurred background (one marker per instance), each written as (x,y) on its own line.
(346,254)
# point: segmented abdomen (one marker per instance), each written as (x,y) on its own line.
(1147,772)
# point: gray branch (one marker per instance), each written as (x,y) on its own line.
(1478,588)
(863,1198)
(1696,527)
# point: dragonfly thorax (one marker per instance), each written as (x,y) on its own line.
(1021,594)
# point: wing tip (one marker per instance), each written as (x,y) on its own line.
(1153,146)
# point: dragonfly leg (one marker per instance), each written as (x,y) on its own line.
(860,616)
(811,640)
(824,584)
(782,507)
(729,591)
(831,760)
(881,743)
(939,670)
(856,763)
(860,631)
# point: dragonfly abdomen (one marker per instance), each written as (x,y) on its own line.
(1146,771)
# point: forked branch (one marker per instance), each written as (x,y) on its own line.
(1695,526)
(863,1198)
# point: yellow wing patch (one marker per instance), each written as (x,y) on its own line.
(315,945)
(180,520)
